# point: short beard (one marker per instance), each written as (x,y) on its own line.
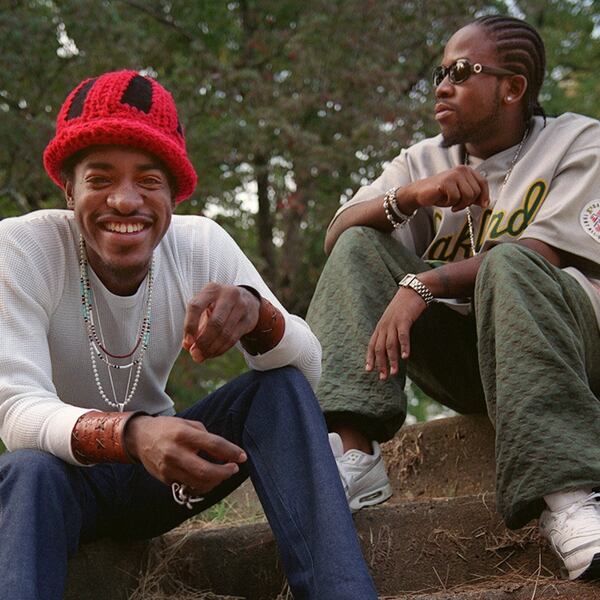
(474,133)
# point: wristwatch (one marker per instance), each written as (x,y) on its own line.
(410,281)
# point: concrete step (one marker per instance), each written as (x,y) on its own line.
(107,570)
(427,546)
(444,458)
(513,588)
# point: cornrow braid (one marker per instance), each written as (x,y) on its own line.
(520,49)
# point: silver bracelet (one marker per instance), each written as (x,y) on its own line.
(393,213)
(390,215)
(410,281)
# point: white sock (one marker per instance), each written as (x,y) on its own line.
(560,500)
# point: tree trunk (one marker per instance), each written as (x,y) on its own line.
(265,220)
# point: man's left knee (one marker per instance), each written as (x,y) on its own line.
(507,253)
(284,376)
(287,386)
(505,258)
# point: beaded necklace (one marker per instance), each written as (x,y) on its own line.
(513,162)
(97,344)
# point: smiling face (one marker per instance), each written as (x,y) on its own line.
(471,112)
(123,205)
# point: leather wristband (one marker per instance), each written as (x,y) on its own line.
(99,437)
(268,331)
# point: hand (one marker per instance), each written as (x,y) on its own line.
(216,318)
(457,188)
(391,338)
(168,448)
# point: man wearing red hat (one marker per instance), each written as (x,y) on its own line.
(95,304)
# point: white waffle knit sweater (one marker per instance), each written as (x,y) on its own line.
(46,379)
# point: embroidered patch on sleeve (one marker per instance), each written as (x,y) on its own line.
(590,219)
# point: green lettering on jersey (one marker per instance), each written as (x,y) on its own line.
(437,219)
(483,227)
(534,198)
(514,224)
(461,242)
(447,248)
(494,224)
(439,250)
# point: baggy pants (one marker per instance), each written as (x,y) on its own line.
(47,507)
(529,355)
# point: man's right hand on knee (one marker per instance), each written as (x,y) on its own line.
(169,448)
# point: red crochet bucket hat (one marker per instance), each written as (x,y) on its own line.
(122,108)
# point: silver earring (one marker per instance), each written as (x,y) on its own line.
(508,98)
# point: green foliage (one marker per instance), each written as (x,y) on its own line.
(421,407)
(570,31)
(2,447)
(189,382)
(218,514)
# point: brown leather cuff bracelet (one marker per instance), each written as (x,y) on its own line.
(268,331)
(99,437)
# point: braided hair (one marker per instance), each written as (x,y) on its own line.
(521,50)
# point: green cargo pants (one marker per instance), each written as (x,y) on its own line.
(529,355)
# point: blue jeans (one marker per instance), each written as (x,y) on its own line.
(48,507)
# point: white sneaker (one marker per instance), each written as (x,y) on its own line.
(574,534)
(363,475)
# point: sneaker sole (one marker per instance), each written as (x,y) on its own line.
(370,497)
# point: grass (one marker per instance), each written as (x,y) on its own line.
(160,580)
(230,511)
(219,514)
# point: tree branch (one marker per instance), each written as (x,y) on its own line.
(160,18)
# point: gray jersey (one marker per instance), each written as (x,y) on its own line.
(552,195)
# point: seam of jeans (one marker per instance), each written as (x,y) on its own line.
(298,529)
(2,477)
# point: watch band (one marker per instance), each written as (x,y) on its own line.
(410,281)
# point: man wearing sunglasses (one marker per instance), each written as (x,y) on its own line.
(472,264)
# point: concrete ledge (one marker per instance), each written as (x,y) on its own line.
(509,588)
(106,569)
(444,458)
(426,546)
(442,543)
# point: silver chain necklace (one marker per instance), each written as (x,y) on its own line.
(97,344)
(513,162)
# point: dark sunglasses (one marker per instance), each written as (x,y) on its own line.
(460,70)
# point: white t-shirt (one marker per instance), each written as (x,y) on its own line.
(46,378)
(552,195)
